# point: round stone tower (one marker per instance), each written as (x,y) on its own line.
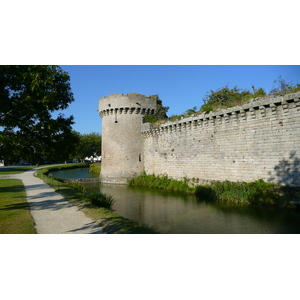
(122,141)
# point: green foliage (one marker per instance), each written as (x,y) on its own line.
(258,192)
(46,170)
(186,114)
(226,97)
(160,113)
(205,192)
(15,170)
(96,198)
(29,95)
(160,182)
(79,187)
(150,118)
(101,200)
(88,145)
(15,217)
(95,168)
(284,86)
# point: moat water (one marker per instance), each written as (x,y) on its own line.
(174,212)
(74,173)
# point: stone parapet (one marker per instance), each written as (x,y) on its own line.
(126,104)
(253,109)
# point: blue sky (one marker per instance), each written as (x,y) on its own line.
(179,86)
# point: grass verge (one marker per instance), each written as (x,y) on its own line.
(48,169)
(15,170)
(109,221)
(15,217)
(161,182)
(258,192)
(95,168)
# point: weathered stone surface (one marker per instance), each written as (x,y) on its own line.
(122,141)
(260,139)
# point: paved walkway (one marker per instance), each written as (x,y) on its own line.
(50,211)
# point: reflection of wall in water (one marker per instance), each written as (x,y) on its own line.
(148,205)
(172,213)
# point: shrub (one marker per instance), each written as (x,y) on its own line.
(95,168)
(161,182)
(79,187)
(101,200)
(205,192)
(256,192)
(226,97)
(96,198)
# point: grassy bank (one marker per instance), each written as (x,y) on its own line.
(95,168)
(257,193)
(14,170)
(161,182)
(15,217)
(50,168)
(109,221)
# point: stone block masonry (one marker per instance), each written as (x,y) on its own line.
(122,141)
(258,140)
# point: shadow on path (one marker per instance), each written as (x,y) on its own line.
(50,204)
(92,226)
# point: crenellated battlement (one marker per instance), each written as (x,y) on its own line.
(255,109)
(126,110)
(133,103)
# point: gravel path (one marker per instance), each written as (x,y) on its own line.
(50,211)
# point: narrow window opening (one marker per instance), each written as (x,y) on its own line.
(140,157)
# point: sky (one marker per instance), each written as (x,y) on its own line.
(179,86)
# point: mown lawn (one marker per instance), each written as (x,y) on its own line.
(15,170)
(15,217)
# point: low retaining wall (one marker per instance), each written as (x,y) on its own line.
(81,180)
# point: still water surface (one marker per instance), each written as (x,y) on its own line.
(74,173)
(174,212)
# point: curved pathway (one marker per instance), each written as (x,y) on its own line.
(50,211)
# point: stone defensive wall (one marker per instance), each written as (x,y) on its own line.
(258,140)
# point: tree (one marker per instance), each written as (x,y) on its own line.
(284,86)
(29,95)
(160,113)
(88,145)
(226,97)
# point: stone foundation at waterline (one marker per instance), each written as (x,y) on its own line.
(258,140)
